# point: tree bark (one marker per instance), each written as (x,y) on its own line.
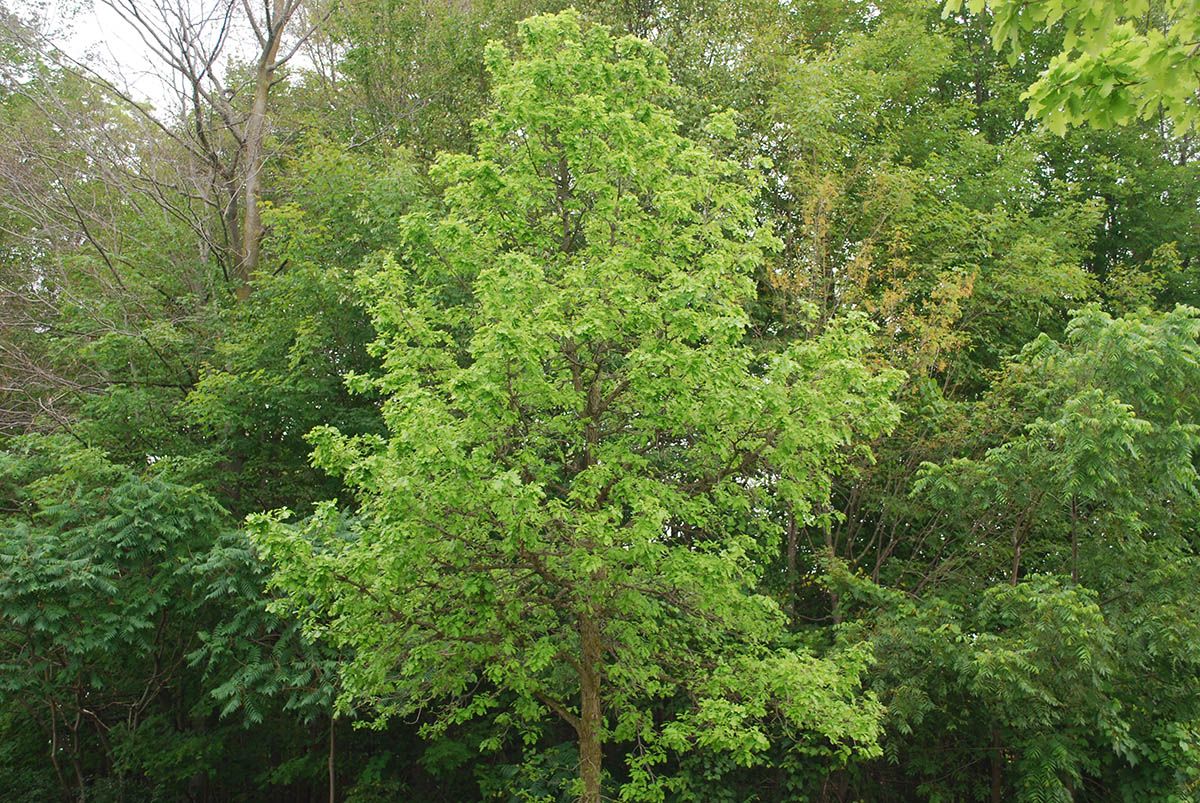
(1015,572)
(332,777)
(793,539)
(835,600)
(256,132)
(62,779)
(1074,541)
(590,712)
(232,226)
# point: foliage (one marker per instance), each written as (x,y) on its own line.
(565,508)
(1120,60)
(802,577)
(99,601)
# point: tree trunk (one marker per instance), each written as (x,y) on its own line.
(590,713)
(332,777)
(1015,572)
(232,226)
(793,539)
(835,600)
(76,764)
(256,132)
(1074,541)
(62,778)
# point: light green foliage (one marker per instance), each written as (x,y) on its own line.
(894,199)
(622,498)
(1121,59)
(581,447)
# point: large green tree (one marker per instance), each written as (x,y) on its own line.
(584,456)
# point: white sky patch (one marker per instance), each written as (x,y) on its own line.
(95,34)
(101,38)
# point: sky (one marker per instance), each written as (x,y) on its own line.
(92,32)
(100,34)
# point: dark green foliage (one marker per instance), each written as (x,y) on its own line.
(100,605)
(277,372)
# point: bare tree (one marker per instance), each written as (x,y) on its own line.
(193,40)
(222,123)
(117,217)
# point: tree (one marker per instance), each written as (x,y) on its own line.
(1079,519)
(412,72)
(225,138)
(277,370)
(191,42)
(1121,60)
(100,250)
(585,460)
(100,604)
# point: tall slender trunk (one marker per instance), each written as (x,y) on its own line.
(1019,534)
(793,540)
(256,132)
(1014,573)
(76,765)
(1074,541)
(332,777)
(590,712)
(232,226)
(835,600)
(62,778)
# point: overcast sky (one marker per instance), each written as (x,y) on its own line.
(92,31)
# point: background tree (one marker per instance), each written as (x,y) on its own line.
(1120,60)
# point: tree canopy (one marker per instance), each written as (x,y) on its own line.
(583,453)
(740,401)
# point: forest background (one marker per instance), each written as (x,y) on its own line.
(797,401)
